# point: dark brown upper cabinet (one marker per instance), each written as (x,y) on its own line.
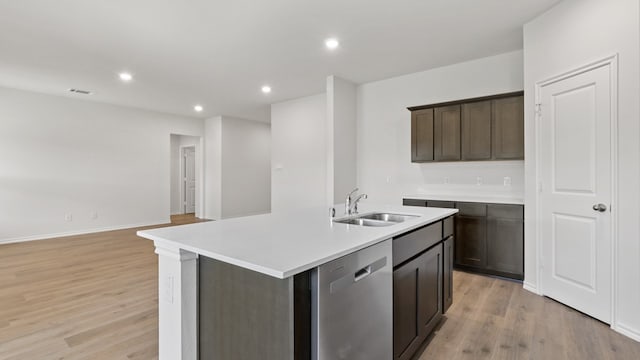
(446,133)
(476,130)
(508,128)
(485,128)
(422,135)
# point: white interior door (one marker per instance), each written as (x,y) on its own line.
(189,171)
(575,171)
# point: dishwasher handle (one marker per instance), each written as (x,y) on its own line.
(362,273)
(359,275)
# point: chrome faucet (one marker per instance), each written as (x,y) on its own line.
(351,205)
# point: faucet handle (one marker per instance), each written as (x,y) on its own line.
(352,192)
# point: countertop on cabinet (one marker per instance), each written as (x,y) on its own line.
(284,244)
(490,199)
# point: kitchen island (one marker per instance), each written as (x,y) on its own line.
(239,288)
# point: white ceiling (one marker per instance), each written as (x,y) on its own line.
(219,53)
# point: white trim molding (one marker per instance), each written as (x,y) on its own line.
(531,288)
(81,232)
(177,303)
(626,331)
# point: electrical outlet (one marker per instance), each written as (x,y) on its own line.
(447,180)
(388,179)
(68,217)
(479,180)
(94,215)
(507,181)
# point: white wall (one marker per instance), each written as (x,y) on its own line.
(177,143)
(385,170)
(246,167)
(63,156)
(298,153)
(570,35)
(213,168)
(237,168)
(342,142)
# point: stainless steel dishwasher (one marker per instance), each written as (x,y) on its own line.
(352,306)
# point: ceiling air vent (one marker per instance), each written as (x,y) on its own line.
(79,91)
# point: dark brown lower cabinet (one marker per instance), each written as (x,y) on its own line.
(489,238)
(505,240)
(471,244)
(447,274)
(417,305)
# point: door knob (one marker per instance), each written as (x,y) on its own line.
(600,207)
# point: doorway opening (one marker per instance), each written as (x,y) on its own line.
(188,186)
(186,175)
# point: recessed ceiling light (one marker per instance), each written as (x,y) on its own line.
(126,77)
(266,89)
(198,108)
(331,43)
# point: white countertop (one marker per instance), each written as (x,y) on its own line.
(284,244)
(491,199)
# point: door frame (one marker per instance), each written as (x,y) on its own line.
(612,62)
(183,198)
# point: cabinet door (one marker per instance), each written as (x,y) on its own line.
(406,334)
(471,241)
(508,128)
(476,131)
(447,274)
(505,242)
(430,291)
(446,130)
(417,296)
(422,135)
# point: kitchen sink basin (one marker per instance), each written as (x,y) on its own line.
(375,219)
(363,222)
(394,218)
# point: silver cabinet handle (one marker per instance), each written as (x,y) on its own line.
(600,207)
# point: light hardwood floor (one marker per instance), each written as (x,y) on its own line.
(95,297)
(91,296)
(497,319)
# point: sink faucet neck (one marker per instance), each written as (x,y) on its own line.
(351,205)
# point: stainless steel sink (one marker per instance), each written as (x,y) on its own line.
(376,219)
(363,222)
(395,218)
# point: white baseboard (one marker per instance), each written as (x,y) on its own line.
(627,331)
(531,287)
(80,232)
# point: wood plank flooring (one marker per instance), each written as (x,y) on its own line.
(95,297)
(91,296)
(493,318)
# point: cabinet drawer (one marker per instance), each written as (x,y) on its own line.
(471,209)
(440,204)
(411,244)
(414,202)
(506,211)
(447,227)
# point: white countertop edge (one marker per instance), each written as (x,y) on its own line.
(468,198)
(297,270)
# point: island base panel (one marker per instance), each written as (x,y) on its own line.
(244,314)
